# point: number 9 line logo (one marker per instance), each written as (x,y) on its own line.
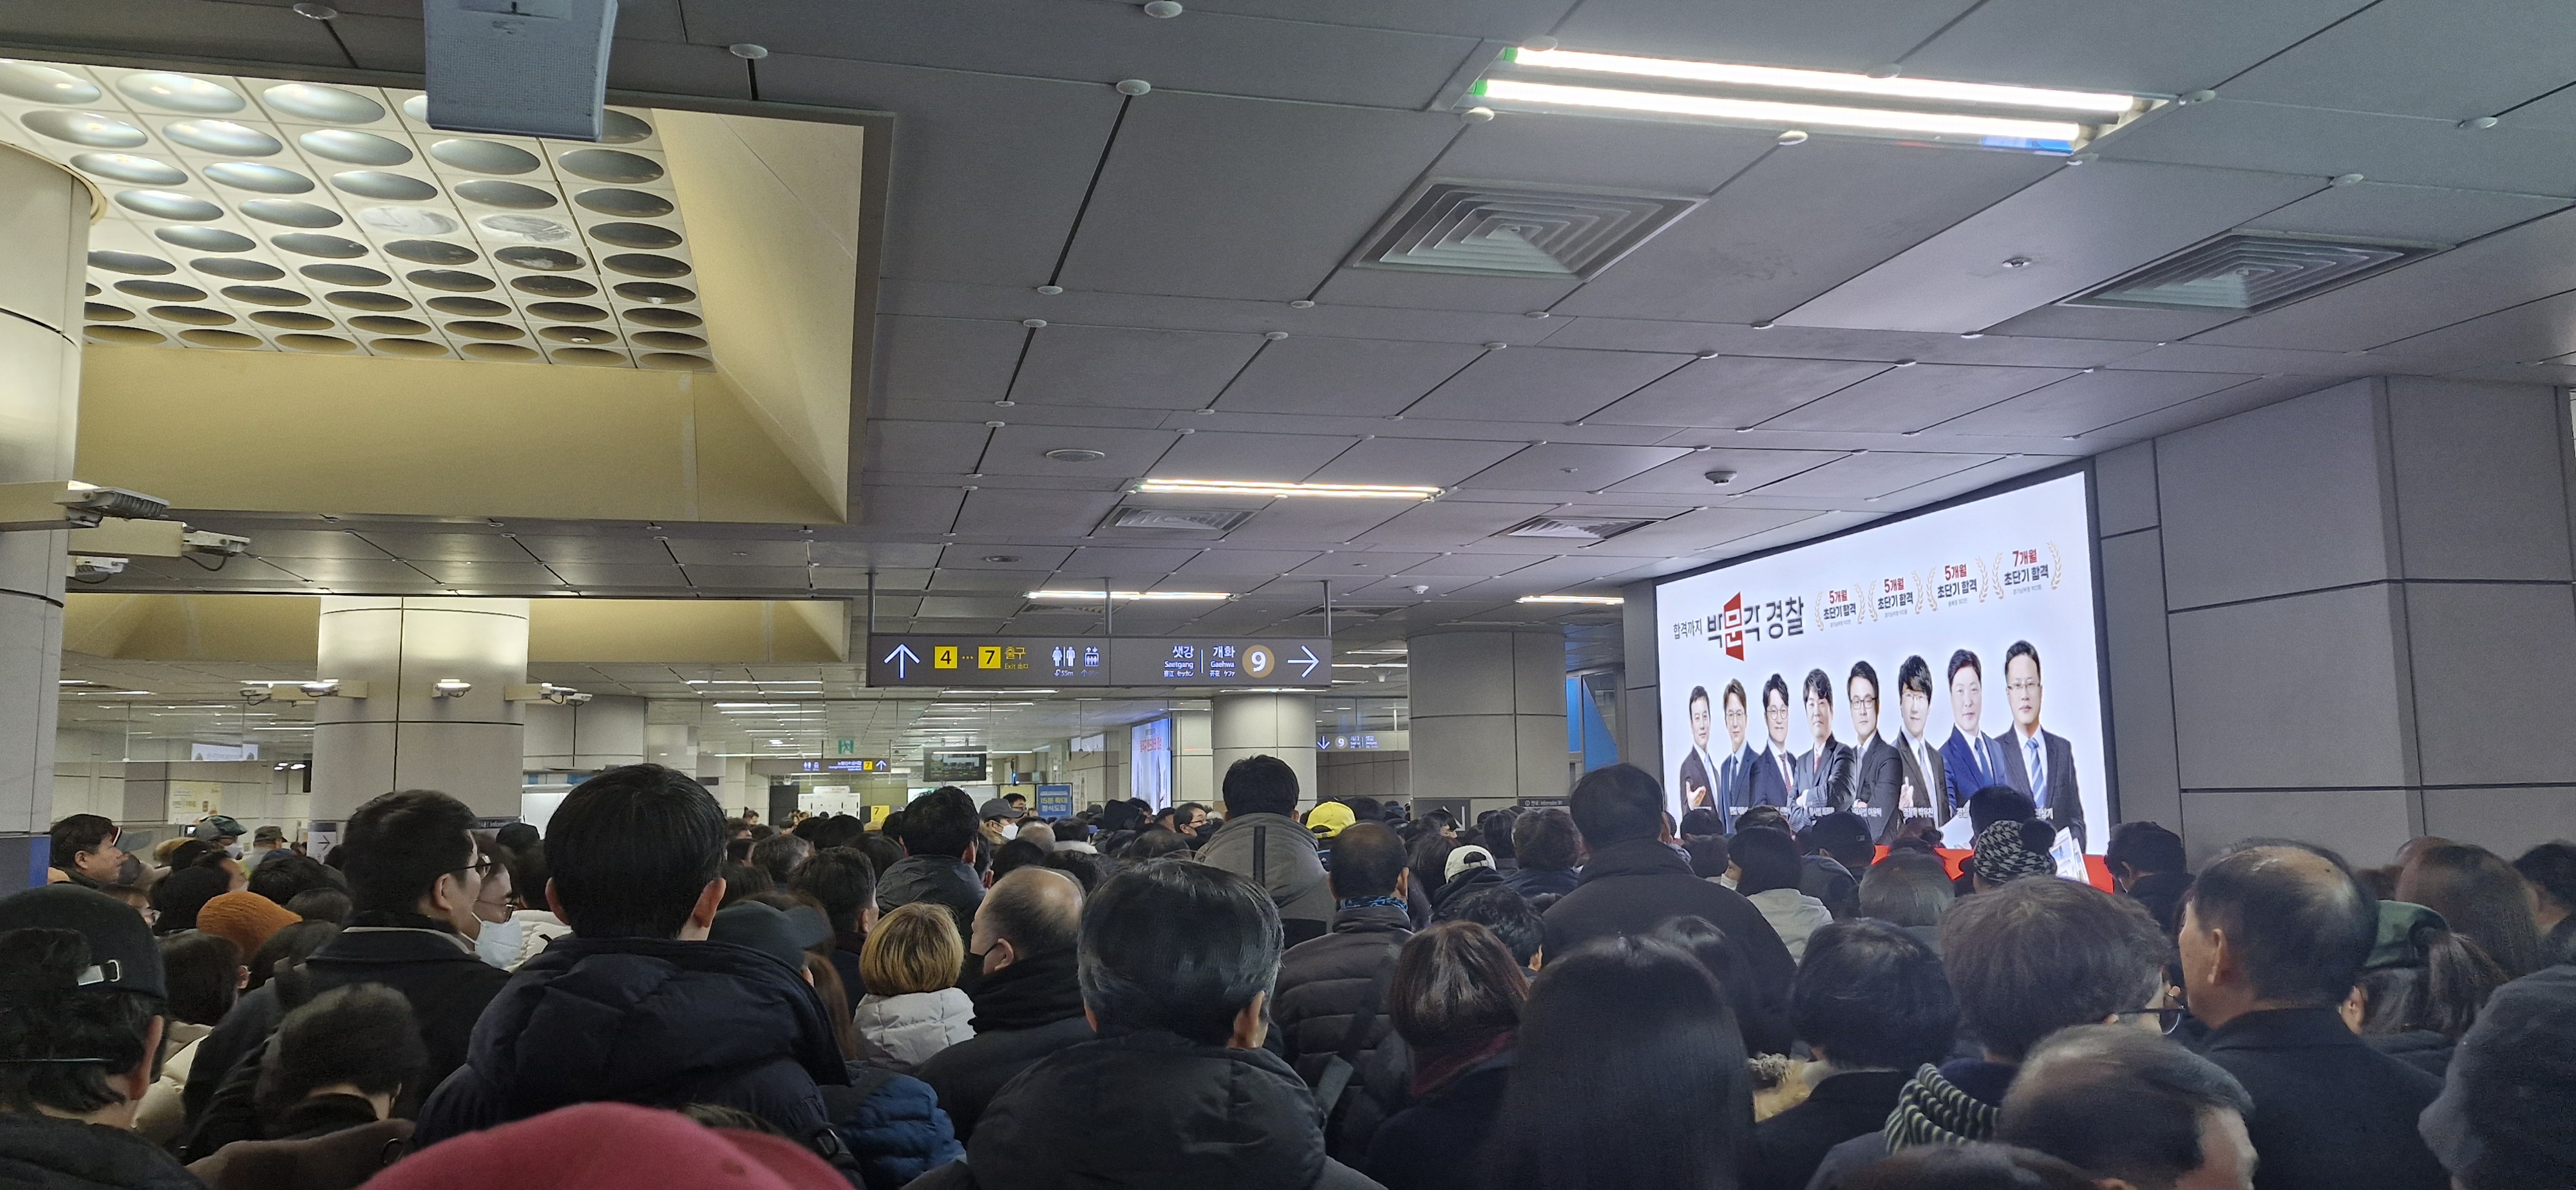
(1258,661)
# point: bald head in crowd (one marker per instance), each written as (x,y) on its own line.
(1029,912)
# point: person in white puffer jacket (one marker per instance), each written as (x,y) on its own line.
(913,1008)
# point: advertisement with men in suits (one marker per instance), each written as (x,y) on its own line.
(1895,671)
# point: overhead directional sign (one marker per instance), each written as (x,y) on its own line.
(1030,661)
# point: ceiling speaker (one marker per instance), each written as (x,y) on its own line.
(519,67)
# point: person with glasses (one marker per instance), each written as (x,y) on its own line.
(415,874)
(1825,769)
(2024,961)
(2036,761)
(1878,773)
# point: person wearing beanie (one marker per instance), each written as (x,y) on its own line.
(246,918)
(2008,851)
(613,1146)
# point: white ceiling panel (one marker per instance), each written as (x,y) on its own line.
(1238,198)
(992,168)
(618,574)
(1240,563)
(2079,226)
(2523,334)
(1800,222)
(1123,562)
(2104,322)
(2449,59)
(1322,522)
(2325,143)
(1639,155)
(638,548)
(2425,214)
(2167,47)
(1355,564)
(907,507)
(721,551)
(1445,524)
(1688,475)
(1354,377)
(1025,514)
(987,579)
(1850,35)
(1501,20)
(1019,558)
(2086,402)
(749,578)
(2226,402)
(1435,462)
(886,555)
(1443,291)
(947,359)
(1571,467)
(1020,448)
(2210,357)
(1734,390)
(1692,532)
(1900,400)
(1275,457)
(1544,384)
(2505,269)
(942,447)
(969,606)
(1134,369)
(1874,473)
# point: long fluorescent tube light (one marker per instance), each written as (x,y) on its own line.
(1603,600)
(1796,115)
(2089,102)
(1234,487)
(727,706)
(1064,594)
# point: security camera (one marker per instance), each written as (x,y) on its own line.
(450,688)
(256,693)
(1721,477)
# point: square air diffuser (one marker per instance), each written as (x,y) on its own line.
(2249,271)
(1513,230)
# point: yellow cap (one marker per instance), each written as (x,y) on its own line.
(1328,819)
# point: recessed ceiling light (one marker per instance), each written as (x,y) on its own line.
(1345,491)
(1001,557)
(1076,454)
(1604,600)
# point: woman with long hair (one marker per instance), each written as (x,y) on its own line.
(1629,1072)
(2483,899)
(1456,1000)
(2421,989)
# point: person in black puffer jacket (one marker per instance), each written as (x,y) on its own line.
(1177,962)
(1028,1000)
(1326,985)
(637,1006)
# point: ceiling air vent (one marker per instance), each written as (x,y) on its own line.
(1196,520)
(1512,230)
(2249,271)
(1576,528)
(1349,611)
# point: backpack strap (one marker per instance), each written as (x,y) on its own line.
(1335,1078)
(1261,854)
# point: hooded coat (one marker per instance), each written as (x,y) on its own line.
(650,1021)
(1273,851)
(1151,1111)
(943,880)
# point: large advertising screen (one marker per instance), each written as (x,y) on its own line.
(1149,763)
(1896,670)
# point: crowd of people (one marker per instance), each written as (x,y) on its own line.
(1584,997)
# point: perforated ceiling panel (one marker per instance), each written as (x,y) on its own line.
(260,215)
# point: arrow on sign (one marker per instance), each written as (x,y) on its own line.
(903,659)
(1305,657)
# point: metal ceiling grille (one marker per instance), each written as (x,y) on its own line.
(1196,520)
(2248,271)
(1575,528)
(1510,230)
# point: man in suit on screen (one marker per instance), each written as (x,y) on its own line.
(1824,770)
(1968,760)
(1774,778)
(1697,779)
(1877,772)
(2037,761)
(1922,793)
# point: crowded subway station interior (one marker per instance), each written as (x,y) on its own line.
(1287,594)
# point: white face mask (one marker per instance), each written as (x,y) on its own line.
(1010,830)
(234,850)
(498,944)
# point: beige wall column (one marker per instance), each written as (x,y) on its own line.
(1488,719)
(401,736)
(44,239)
(1193,773)
(1281,725)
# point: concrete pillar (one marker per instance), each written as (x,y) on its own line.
(603,733)
(1488,720)
(1281,725)
(2347,618)
(1193,774)
(403,737)
(44,243)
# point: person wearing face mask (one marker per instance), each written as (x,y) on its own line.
(415,875)
(1020,970)
(498,933)
(221,832)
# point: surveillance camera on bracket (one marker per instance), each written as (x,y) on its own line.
(544,692)
(450,688)
(71,504)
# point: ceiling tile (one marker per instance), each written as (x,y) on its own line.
(307,543)
(1875,473)
(638,548)
(1124,564)
(988,579)
(1029,559)
(1442,524)
(1634,155)
(1356,377)
(938,447)
(1692,532)
(1849,35)
(2082,403)
(2505,269)
(1437,462)
(1321,522)
(1443,291)
(1020,448)
(1134,369)
(1799,223)
(1355,564)
(2106,322)
(2538,330)
(947,359)
(2323,143)
(1501,20)
(1571,467)
(2449,59)
(458,547)
(2074,229)
(1544,384)
(620,574)
(915,508)
(1688,475)
(1277,194)
(2424,214)
(700,551)
(1900,400)
(2166,48)
(1733,390)
(1273,457)
(1222,563)
(1027,514)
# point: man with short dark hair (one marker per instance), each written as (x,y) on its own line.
(84,851)
(1263,842)
(941,836)
(637,1006)
(1969,760)
(1878,774)
(1872,1004)
(2551,870)
(2131,1109)
(1176,963)
(1699,773)
(1332,990)
(2273,937)
(778,855)
(845,883)
(1633,883)
(2024,961)
(1028,996)
(1548,850)
(1924,792)
(2037,761)
(2147,864)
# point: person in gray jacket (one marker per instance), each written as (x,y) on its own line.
(1263,842)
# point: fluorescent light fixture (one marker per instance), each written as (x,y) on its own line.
(1602,600)
(1063,594)
(1046,690)
(728,706)
(1235,487)
(2089,102)
(2039,133)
